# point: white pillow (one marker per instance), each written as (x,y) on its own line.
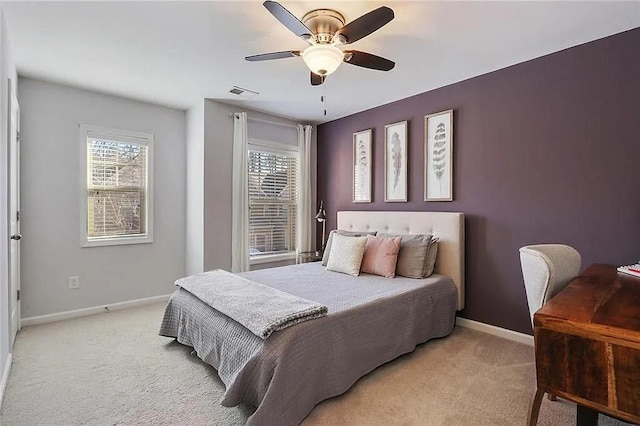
(327,247)
(346,254)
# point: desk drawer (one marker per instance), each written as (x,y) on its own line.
(573,365)
(626,366)
(602,373)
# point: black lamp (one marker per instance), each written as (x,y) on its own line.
(321,216)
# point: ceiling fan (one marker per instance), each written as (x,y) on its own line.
(325,30)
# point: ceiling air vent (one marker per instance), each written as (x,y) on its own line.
(243,93)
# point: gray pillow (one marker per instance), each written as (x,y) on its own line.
(327,247)
(432,254)
(413,254)
(346,254)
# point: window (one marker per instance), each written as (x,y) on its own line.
(273,199)
(117,189)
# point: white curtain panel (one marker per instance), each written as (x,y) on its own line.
(240,198)
(305,213)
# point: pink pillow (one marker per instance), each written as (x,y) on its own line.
(380,256)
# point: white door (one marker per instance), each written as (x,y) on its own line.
(14,212)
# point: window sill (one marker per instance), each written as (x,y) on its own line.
(116,241)
(269,258)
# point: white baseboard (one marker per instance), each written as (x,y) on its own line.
(496,331)
(5,376)
(43,319)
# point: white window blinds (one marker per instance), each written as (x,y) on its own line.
(118,185)
(273,197)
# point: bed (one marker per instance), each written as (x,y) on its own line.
(371,320)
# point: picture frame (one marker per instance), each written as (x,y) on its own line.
(438,156)
(362,160)
(395,162)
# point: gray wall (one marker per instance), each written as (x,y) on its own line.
(7,71)
(218,152)
(218,166)
(195,190)
(544,151)
(51,248)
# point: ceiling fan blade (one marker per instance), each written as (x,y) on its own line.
(316,79)
(287,19)
(365,25)
(273,55)
(367,60)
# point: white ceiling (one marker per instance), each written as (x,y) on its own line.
(177,53)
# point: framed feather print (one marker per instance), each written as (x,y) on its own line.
(362,166)
(395,162)
(438,156)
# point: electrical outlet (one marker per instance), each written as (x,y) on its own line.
(74,282)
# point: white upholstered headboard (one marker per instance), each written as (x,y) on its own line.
(449,227)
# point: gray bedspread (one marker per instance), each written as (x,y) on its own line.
(260,308)
(371,320)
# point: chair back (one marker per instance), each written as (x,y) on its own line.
(547,269)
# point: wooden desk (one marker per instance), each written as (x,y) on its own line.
(587,343)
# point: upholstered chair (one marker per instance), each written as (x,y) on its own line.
(547,269)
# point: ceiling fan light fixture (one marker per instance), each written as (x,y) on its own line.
(322,59)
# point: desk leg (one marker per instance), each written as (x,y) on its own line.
(534,409)
(586,416)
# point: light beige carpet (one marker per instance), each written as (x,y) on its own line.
(113,368)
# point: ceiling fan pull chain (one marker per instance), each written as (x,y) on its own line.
(323,98)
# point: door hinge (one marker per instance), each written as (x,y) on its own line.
(18,294)
(18,136)
(18,216)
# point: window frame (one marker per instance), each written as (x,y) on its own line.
(254,144)
(118,135)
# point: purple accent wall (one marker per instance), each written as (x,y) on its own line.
(544,151)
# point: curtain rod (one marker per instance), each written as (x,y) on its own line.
(267,121)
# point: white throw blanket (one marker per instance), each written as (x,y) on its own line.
(259,308)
